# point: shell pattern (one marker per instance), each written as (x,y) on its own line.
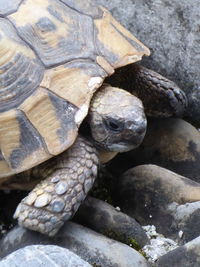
(54,54)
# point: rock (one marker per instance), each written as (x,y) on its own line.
(159,245)
(41,256)
(154,195)
(173,144)
(102,217)
(187,256)
(171,31)
(187,219)
(94,248)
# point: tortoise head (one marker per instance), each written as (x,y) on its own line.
(117,119)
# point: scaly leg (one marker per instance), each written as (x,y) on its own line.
(67,179)
(160,96)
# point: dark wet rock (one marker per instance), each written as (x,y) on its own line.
(154,195)
(102,217)
(41,256)
(171,31)
(187,256)
(89,245)
(173,144)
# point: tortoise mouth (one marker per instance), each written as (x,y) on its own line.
(123,146)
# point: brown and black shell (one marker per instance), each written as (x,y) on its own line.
(54,54)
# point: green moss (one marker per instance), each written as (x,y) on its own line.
(131,242)
(122,238)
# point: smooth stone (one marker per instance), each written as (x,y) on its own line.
(154,195)
(183,256)
(107,220)
(170,143)
(92,247)
(43,256)
(171,31)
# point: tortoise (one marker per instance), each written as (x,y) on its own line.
(55,56)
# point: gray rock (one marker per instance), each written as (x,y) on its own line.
(43,256)
(173,144)
(154,195)
(89,245)
(187,219)
(102,217)
(171,30)
(159,245)
(187,256)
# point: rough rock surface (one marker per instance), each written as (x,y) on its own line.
(171,29)
(159,245)
(102,217)
(187,256)
(43,256)
(167,200)
(186,217)
(89,245)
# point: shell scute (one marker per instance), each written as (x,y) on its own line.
(87,7)
(57,124)
(56,32)
(9,6)
(20,70)
(19,140)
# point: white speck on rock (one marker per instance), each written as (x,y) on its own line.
(159,245)
(117,208)
(180,233)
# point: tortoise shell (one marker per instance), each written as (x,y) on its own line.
(54,54)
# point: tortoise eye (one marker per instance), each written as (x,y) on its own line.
(114,125)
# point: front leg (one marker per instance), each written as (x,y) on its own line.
(160,96)
(68,178)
